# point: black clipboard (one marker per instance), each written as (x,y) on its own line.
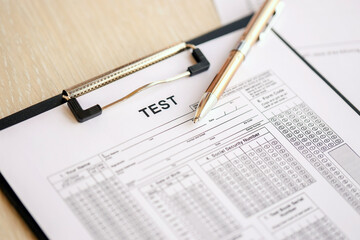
(58,100)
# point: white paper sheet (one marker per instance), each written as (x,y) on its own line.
(267,163)
(325,32)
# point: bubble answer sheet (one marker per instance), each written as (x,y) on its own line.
(277,158)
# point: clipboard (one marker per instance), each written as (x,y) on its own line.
(59,100)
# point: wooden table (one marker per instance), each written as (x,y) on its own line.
(47,46)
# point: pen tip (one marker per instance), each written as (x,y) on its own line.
(195,119)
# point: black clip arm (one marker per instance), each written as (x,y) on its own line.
(83,115)
(202,63)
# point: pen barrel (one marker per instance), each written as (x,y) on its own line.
(259,22)
(222,79)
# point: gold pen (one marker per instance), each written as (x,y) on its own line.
(252,33)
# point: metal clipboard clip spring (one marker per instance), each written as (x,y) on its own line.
(82,115)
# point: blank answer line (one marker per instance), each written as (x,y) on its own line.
(179,125)
(198,143)
(155,135)
(231,118)
(180,160)
(167,142)
(190,138)
(234,139)
(154,128)
(226,114)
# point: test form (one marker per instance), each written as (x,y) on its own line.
(278,157)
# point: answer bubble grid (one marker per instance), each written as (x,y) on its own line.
(256,177)
(321,229)
(312,137)
(103,204)
(189,207)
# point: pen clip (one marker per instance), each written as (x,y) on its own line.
(272,21)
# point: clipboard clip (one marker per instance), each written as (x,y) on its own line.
(82,115)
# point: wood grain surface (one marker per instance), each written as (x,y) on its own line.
(47,46)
